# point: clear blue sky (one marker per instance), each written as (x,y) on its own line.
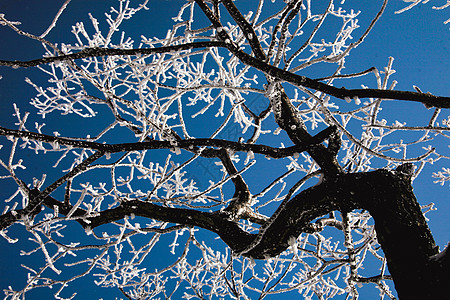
(417,39)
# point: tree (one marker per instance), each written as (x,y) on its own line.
(312,159)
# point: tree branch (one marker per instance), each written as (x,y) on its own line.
(182,144)
(218,223)
(387,195)
(96,52)
(36,200)
(246,28)
(290,121)
(428,100)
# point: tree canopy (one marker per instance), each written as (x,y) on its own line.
(235,150)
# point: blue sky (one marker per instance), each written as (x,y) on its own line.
(417,39)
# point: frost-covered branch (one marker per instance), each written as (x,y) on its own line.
(35,201)
(191,145)
(97,52)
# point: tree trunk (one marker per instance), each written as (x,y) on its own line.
(400,225)
(406,239)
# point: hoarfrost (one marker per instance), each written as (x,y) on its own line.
(151,96)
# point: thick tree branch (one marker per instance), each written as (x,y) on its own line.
(387,195)
(246,28)
(289,120)
(241,198)
(182,144)
(278,27)
(383,193)
(96,52)
(283,32)
(428,100)
(218,223)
